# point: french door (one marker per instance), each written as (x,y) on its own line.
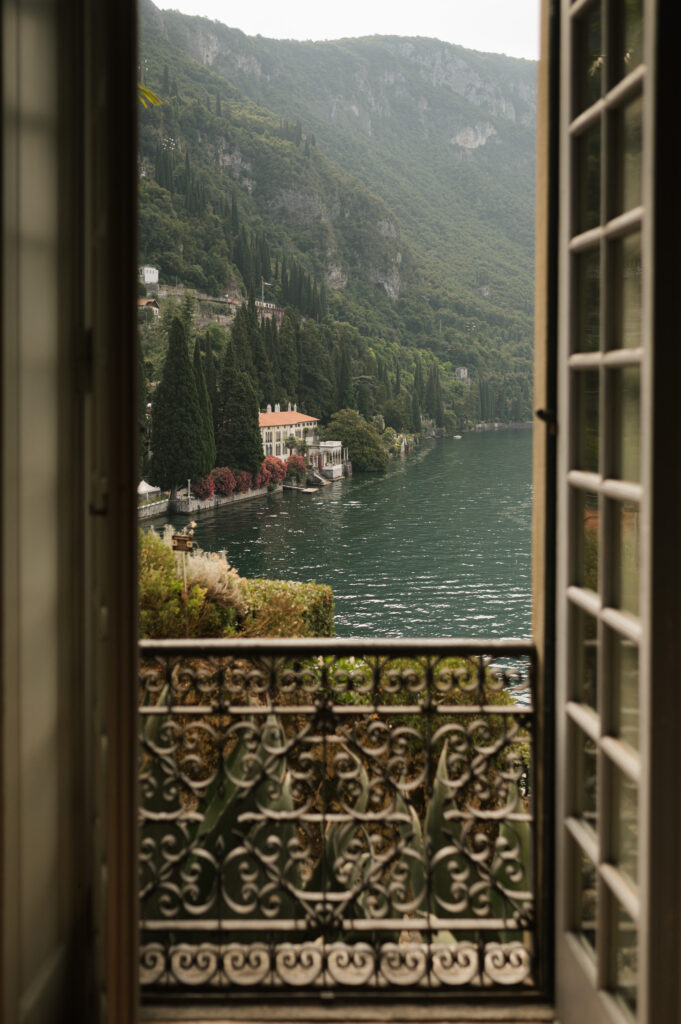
(616,944)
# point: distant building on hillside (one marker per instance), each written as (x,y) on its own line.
(145,304)
(276,426)
(148,274)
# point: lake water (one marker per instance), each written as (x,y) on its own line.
(438,546)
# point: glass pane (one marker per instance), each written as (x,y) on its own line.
(586,533)
(624,655)
(589,57)
(586,897)
(586,780)
(625,823)
(625,553)
(626,960)
(586,420)
(585,662)
(587,299)
(626,281)
(588,179)
(627,18)
(628,142)
(626,427)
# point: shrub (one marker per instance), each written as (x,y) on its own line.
(360,438)
(209,608)
(224,481)
(204,487)
(271,472)
(296,468)
(276,468)
(218,602)
(283,608)
(244,480)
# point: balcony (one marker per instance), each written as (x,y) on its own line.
(340,818)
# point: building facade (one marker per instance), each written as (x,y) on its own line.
(276,426)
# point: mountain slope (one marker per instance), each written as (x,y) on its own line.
(396,174)
(444,135)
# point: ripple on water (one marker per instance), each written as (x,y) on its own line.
(439,546)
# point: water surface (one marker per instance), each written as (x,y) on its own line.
(437,546)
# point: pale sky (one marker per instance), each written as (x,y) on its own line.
(498,26)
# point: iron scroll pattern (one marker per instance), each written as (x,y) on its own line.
(336,815)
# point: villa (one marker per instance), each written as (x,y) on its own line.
(276,426)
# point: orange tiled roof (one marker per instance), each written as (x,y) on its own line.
(283,419)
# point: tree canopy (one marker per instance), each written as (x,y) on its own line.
(178,450)
(360,438)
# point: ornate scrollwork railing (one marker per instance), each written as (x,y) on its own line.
(333,814)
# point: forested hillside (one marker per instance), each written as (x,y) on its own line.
(384,189)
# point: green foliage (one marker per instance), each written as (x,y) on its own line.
(382,220)
(166,611)
(205,410)
(238,440)
(283,608)
(362,440)
(218,602)
(177,445)
(296,468)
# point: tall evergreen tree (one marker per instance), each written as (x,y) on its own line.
(207,434)
(176,442)
(419,386)
(186,314)
(228,374)
(346,394)
(288,356)
(242,339)
(239,441)
(415,412)
(211,382)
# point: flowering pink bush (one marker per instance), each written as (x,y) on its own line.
(204,487)
(276,468)
(224,481)
(295,466)
(272,471)
(263,478)
(244,480)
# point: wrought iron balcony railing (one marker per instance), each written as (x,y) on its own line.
(338,815)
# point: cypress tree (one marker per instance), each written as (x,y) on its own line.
(176,436)
(211,382)
(239,440)
(207,434)
(228,375)
(288,355)
(415,412)
(242,340)
(346,394)
(418,380)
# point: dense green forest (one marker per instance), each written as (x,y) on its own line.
(382,188)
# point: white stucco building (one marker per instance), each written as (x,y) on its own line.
(148,274)
(276,426)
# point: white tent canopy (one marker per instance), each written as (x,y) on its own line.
(145,488)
